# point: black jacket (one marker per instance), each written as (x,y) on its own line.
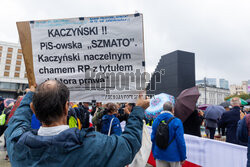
(192,125)
(229,120)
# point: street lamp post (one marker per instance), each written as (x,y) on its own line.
(205,86)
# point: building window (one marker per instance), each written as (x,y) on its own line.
(17,74)
(10,49)
(25,75)
(9,56)
(19,51)
(0,54)
(1,48)
(19,57)
(7,67)
(7,85)
(17,68)
(6,74)
(18,62)
(8,61)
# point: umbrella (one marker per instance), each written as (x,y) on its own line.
(243,102)
(225,104)
(186,103)
(203,106)
(156,105)
(214,112)
(8,101)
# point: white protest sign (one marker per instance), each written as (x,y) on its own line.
(97,58)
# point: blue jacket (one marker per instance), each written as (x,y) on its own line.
(71,147)
(243,134)
(115,127)
(229,120)
(35,123)
(176,151)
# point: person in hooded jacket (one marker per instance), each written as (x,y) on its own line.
(175,154)
(55,144)
(110,118)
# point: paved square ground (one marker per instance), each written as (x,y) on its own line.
(3,163)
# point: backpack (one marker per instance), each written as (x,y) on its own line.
(162,134)
(83,115)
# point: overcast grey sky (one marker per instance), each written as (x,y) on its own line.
(218,32)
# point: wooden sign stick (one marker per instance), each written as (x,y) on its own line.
(25,40)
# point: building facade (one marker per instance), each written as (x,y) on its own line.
(224,83)
(212,95)
(239,89)
(13,77)
(209,82)
(200,82)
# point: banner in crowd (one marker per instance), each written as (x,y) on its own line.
(98,58)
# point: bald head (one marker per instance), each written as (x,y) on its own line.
(50,84)
(235,101)
(50,100)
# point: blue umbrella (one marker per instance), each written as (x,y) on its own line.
(214,112)
(156,105)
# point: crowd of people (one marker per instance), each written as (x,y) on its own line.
(47,129)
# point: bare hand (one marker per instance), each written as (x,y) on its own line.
(201,113)
(126,110)
(32,89)
(142,102)
(242,114)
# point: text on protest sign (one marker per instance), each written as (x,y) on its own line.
(98,58)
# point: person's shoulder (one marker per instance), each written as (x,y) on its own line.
(116,120)
(105,117)
(93,138)
(233,112)
(177,121)
(227,113)
(165,114)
